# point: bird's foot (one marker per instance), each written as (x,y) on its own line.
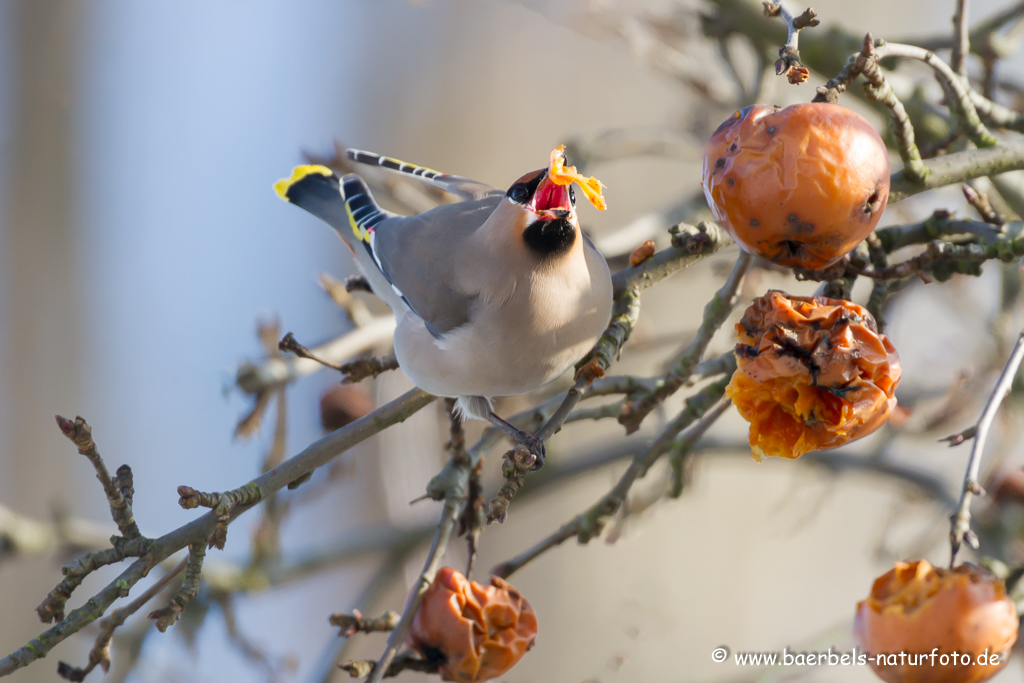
(535,446)
(528,441)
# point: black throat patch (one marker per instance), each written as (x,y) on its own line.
(552,237)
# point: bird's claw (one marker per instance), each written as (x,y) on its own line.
(527,441)
(535,446)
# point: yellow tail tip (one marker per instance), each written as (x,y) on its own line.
(298,173)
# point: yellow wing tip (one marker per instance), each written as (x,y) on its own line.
(562,175)
(298,173)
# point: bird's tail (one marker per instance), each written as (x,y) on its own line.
(347,206)
(457,185)
(371,159)
(343,203)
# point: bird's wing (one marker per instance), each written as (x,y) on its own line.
(457,185)
(424,257)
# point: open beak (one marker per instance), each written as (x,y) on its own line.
(551,200)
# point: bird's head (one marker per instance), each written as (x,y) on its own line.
(545,213)
(542,213)
(540,207)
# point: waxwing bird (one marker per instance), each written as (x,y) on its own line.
(496,295)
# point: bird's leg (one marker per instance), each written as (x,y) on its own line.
(531,442)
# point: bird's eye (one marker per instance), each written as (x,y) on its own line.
(572,196)
(518,194)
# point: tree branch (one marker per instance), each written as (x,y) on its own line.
(716,312)
(689,245)
(452,484)
(80,433)
(982,36)
(789,63)
(167,616)
(960,103)
(255,378)
(589,524)
(958,167)
(878,89)
(939,226)
(960,521)
(943,259)
(99,655)
(961,40)
(406,660)
(315,455)
(351,624)
(24,536)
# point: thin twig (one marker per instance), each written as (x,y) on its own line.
(255,378)
(52,606)
(363,368)
(683,446)
(961,105)
(981,204)
(716,312)
(712,367)
(358,312)
(878,89)
(690,245)
(958,167)
(315,455)
(99,655)
(119,492)
(789,63)
(452,485)
(455,498)
(995,114)
(961,39)
(23,536)
(944,259)
(941,225)
(250,651)
(406,660)
(958,438)
(516,464)
(351,624)
(80,433)
(981,36)
(266,541)
(960,521)
(690,209)
(221,504)
(354,371)
(725,53)
(165,617)
(289,344)
(589,524)
(391,565)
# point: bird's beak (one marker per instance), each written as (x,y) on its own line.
(551,200)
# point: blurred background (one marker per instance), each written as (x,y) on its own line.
(141,242)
